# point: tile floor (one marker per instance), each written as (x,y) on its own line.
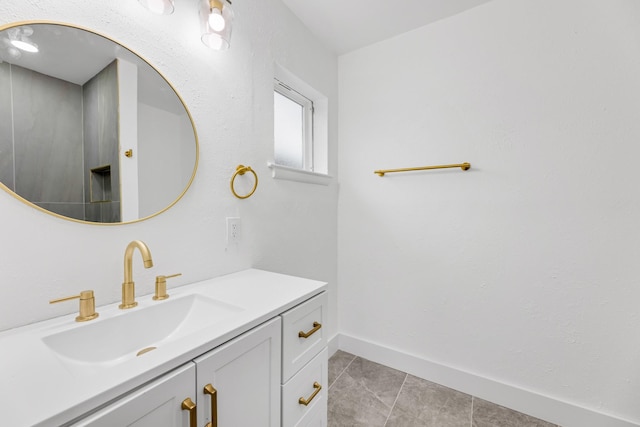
(367,394)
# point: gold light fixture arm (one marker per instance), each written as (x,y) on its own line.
(464,166)
(241,170)
(217,4)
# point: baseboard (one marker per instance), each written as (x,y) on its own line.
(332,344)
(537,405)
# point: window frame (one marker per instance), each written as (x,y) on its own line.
(307,139)
(317,151)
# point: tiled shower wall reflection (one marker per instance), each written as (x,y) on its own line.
(41,149)
(100,95)
(6,132)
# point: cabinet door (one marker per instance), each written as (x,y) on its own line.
(244,376)
(158,404)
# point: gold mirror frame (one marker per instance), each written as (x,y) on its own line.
(190,117)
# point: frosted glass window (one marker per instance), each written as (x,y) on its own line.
(288,132)
(293,128)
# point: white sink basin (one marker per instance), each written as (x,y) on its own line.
(116,339)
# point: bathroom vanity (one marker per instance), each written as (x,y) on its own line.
(246,349)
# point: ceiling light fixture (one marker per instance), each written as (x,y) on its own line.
(25,45)
(8,52)
(216,17)
(19,38)
(159,7)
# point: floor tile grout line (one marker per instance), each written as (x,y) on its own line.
(473,398)
(342,372)
(396,399)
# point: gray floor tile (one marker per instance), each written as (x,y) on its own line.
(380,380)
(487,414)
(425,404)
(338,363)
(350,405)
(364,395)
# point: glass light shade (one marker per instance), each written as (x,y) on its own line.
(159,7)
(215,24)
(13,52)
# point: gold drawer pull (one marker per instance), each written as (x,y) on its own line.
(188,405)
(304,401)
(208,389)
(316,328)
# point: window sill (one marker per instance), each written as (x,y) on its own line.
(293,174)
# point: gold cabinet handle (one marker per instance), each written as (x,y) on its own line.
(316,328)
(188,405)
(208,389)
(304,401)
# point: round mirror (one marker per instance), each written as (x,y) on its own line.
(89,131)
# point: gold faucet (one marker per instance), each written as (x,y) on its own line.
(87,305)
(128,286)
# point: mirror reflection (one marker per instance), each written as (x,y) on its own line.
(88,129)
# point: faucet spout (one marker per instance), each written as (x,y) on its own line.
(128,286)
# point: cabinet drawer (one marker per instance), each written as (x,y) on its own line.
(304,385)
(307,318)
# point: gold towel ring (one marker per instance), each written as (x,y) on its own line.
(240,170)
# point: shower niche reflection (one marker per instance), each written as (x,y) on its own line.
(100,185)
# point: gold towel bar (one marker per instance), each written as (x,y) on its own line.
(464,166)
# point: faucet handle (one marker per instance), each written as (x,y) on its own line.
(161,286)
(87,305)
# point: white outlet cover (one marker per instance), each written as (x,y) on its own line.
(233,230)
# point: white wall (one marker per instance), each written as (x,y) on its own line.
(128,131)
(524,270)
(158,132)
(287,227)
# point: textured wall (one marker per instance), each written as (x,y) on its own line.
(286,226)
(525,269)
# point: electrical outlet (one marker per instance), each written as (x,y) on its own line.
(233,230)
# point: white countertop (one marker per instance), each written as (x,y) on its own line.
(37,388)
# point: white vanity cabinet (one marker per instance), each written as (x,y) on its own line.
(229,348)
(157,404)
(236,384)
(305,364)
